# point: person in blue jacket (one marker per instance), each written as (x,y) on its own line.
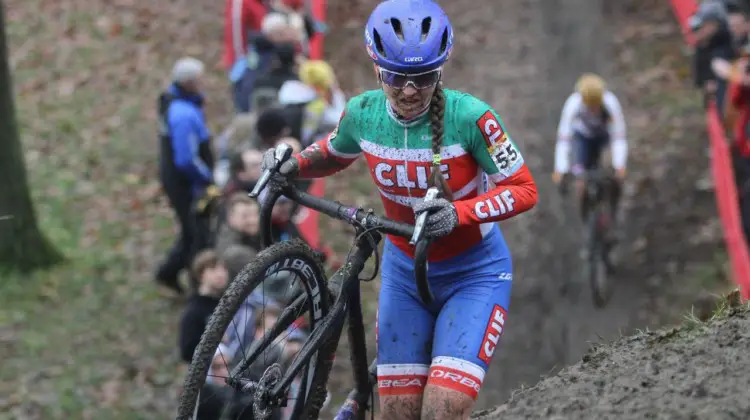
(186,164)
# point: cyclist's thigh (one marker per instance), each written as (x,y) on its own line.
(469,327)
(404,333)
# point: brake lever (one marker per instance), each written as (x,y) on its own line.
(282,153)
(431,194)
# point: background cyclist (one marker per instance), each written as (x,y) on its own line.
(591,119)
(415,134)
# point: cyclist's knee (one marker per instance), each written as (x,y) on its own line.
(398,407)
(442,403)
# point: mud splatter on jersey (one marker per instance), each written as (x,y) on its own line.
(476,148)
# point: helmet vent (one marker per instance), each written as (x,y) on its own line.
(397,28)
(444,41)
(426,22)
(378,42)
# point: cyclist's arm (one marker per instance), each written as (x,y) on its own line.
(617,131)
(515,189)
(565,133)
(334,153)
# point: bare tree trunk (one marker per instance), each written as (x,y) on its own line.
(23,247)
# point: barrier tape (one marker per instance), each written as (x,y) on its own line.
(722,170)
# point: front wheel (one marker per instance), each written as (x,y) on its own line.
(596,268)
(220,352)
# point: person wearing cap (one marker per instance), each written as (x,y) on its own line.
(185,166)
(313,105)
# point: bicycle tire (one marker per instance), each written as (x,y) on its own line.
(596,265)
(287,252)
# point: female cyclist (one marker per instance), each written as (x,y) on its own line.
(414,134)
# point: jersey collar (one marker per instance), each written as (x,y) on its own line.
(405,122)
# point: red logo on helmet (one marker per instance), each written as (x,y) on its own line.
(371,53)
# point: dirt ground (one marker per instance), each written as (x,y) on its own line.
(93,339)
(683,373)
(523,58)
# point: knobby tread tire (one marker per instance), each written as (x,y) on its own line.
(245,282)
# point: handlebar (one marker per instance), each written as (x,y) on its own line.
(353,215)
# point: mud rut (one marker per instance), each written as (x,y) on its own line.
(523,57)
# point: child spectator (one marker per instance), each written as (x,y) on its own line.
(242,225)
(212,276)
(235,258)
(244,169)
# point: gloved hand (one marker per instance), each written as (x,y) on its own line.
(442,217)
(208,201)
(287,171)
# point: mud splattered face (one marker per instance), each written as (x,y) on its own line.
(409,95)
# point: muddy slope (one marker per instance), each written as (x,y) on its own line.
(523,58)
(686,373)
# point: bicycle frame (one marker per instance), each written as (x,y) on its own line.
(344,284)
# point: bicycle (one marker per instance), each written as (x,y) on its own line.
(329,303)
(597,265)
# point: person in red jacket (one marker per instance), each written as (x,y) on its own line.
(739,97)
(241,18)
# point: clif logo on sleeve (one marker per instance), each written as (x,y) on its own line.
(491,129)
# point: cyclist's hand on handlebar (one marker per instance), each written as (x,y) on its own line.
(442,217)
(287,170)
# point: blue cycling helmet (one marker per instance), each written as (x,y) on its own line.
(408,36)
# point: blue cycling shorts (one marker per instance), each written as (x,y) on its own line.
(451,342)
(588,150)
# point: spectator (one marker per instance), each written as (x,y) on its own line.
(212,274)
(283,68)
(242,25)
(237,135)
(714,51)
(185,166)
(242,21)
(314,104)
(274,31)
(242,227)
(236,258)
(272,126)
(215,393)
(267,317)
(739,94)
(294,11)
(244,168)
(738,25)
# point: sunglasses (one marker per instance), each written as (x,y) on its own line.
(419,80)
